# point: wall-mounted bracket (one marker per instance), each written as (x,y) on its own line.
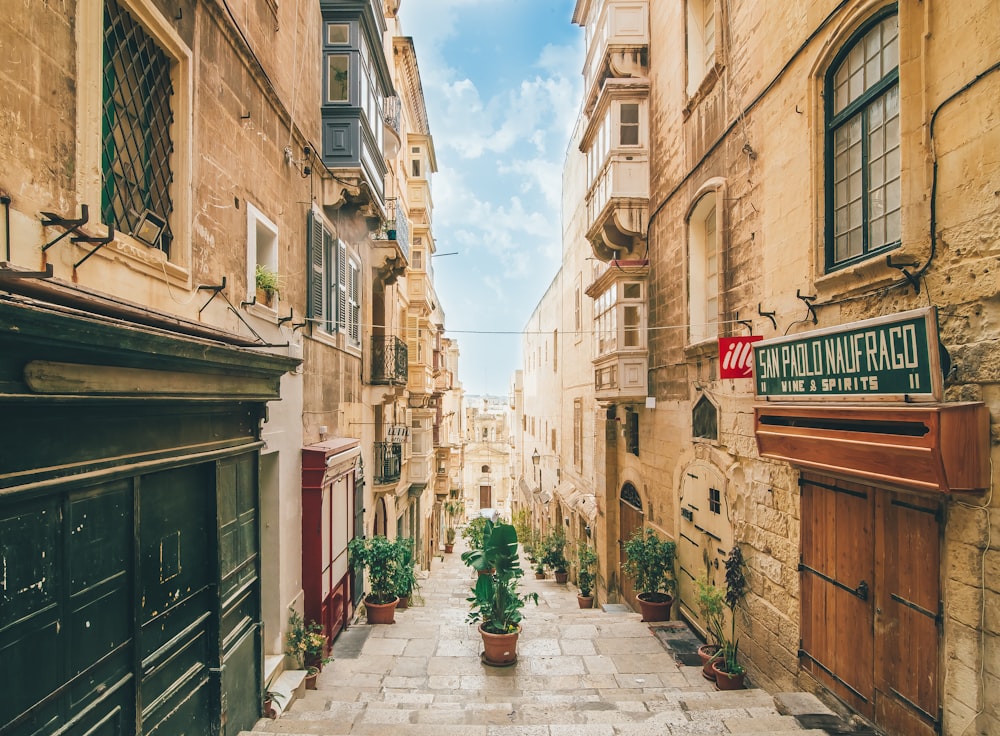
(6,272)
(769,315)
(249,303)
(97,242)
(69,224)
(745,322)
(291,313)
(809,305)
(215,292)
(299,325)
(901,267)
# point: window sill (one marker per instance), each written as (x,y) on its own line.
(264,312)
(145,259)
(705,349)
(857,278)
(704,89)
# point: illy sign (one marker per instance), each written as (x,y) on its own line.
(736,356)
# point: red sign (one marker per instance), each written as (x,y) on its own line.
(736,356)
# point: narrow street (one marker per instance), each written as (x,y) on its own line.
(579,673)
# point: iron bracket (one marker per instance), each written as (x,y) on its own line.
(249,303)
(299,325)
(809,305)
(901,267)
(745,322)
(12,273)
(97,242)
(69,224)
(291,313)
(769,315)
(215,292)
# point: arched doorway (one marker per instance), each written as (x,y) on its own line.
(706,533)
(379,527)
(630,518)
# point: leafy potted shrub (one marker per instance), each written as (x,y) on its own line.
(451,510)
(305,642)
(406,576)
(711,600)
(449,539)
(539,570)
(555,556)
(729,673)
(649,561)
(381,558)
(474,534)
(586,559)
(496,600)
(266,284)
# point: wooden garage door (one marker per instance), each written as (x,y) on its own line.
(869,567)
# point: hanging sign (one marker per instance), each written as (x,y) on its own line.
(736,356)
(890,358)
(396,433)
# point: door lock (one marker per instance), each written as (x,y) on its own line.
(862,590)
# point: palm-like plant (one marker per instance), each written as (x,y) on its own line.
(496,602)
(586,557)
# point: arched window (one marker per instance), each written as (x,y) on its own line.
(486,469)
(862,144)
(705,419)
(631,496)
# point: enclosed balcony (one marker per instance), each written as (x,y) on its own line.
(391,113)
(617,43)
(391,242)
(388,462)
(390,364)
(622,360)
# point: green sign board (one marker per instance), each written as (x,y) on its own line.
(889,358)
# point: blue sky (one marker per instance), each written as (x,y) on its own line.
(502,83)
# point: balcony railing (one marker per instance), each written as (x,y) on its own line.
(396,227)
(391,113)
(390,360)
(388,462)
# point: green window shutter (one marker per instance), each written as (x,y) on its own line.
(354,313)
(316,267)
(341,286)
(329,276)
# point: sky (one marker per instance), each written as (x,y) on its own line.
(502,83)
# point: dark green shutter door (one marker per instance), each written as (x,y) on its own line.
(316,267)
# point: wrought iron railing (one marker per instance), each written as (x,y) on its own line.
(391,112)
(388,462)
(396,226)
(390,360)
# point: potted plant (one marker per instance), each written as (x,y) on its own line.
(451,509)
(729,673)
(711,601)
(266,283)
(406,576)
(649,561)
(555,557)
(586,558)
(272,700)
(539,570)
(496,601)
(474,534)
(305,642)
(381,558)
(449,539)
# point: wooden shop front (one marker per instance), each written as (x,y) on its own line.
(858,409)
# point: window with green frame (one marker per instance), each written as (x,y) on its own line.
(136,124)
(862,145)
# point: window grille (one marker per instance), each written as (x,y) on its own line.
(136,122)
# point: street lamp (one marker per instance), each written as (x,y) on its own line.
(535,457)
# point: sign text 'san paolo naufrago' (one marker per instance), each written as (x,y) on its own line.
(894,357)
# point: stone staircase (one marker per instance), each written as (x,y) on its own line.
(579,673)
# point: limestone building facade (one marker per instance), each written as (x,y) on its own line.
(817,177)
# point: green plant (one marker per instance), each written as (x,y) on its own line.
(521,519)
(304,642)
(554,555)
(649,561)
(586,558)
(405,581)
(449,535)
(267,280)
(474,531)
(496,602)
(711,601)
(736,586)
(381,558)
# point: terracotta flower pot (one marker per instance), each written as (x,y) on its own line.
(707,653)
(311,680)
(381,613)
(449,548)
(499,650)
(726,681)
(562,577)
(403,602)
(655,610)
(539,576)
(585,601)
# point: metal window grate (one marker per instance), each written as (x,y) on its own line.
(136,124)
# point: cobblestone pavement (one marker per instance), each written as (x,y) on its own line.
(579,673)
